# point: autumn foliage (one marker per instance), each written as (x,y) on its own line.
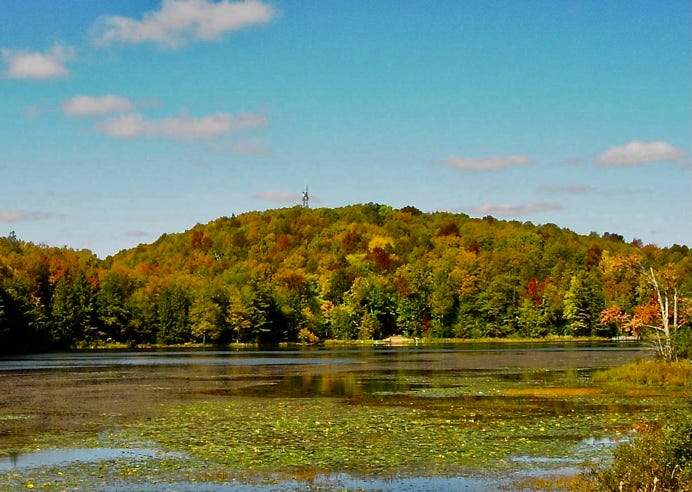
(662,313)
(362,271)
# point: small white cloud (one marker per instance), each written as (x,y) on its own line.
(514,210)
(573,160)
(279,196)
(487,163)
(182,21)
(37,65)
(179,128)
(638,152)
(12,216)
(96,106)
(126,126)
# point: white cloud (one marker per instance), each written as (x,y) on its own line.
(487,163)
(279,196)
(127,126)
(638,152)
(513,210)
(96,106)
(207,126)
(37,65)
(134,125)
(23,216)
(182,21)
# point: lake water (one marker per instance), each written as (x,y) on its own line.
(75,419)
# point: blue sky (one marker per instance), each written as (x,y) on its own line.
(122,120)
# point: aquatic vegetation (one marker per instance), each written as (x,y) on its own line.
(401,435)
(405,415)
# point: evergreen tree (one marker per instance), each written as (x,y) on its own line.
(173,320)
(73,313)
(584,302)
(112,302)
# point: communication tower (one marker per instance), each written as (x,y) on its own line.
(306,197)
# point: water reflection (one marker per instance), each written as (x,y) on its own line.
(86,393)
(19,461)
(148,359)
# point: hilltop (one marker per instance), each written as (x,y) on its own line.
(362,271)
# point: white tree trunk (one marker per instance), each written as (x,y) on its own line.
(664,343)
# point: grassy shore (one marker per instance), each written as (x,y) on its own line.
(332,342)
(648,373)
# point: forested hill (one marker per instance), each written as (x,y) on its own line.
(362,271)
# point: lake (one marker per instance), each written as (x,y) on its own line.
(427,417)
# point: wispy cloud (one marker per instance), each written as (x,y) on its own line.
(138,233)
(514,210)
(207,126)
(279,196)
(13,216)
(38,65)
(180,22)
(134,125)
(487,163)
(36,110)
(565,188)
(96,106)
(250,148)
(637,152)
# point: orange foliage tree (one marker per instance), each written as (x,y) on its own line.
(663,312)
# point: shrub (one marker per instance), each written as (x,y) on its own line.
(658,458)
(682,340)
(306,336)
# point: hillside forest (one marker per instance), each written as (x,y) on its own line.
(364,271)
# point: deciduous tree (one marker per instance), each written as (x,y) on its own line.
(665,311)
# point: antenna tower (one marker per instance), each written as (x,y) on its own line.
(306,197)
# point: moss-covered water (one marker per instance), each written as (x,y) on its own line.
(484,416)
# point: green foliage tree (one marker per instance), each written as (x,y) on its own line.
(413,287)
(141,327)
(112,304)
(238,318)
(16,334)
(584,302)
(207,319)
(372,300)
(173,315)
(342,322)
(73,311)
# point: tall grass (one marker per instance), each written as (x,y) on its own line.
(649,373)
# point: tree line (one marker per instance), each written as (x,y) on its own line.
(364,271)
